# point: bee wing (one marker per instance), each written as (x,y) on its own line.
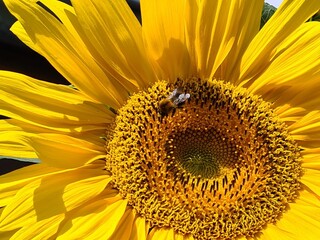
(173,94)
(181,98)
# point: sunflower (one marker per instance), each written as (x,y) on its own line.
(193,125)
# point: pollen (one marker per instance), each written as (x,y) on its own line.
(220,165)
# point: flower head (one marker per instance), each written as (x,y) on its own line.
(193,125)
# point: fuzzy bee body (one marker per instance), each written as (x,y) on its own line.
(176,99)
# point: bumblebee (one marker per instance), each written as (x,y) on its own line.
(176,99)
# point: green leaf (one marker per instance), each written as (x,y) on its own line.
(316,17)
(267,12)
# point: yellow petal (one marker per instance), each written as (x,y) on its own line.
(13,144)
(63,191)
(114,37)
(161,234)
(311,158)
(13,125)
(311,179)
(60,9)
(49,105)
(96,220)
(292,75)
(290,114)
(64,151)
(140,229)
(21,140)
(66,51)
(224,30)
(306,212)
(306,131)
(167,234)
(163,26)
(44,229)
(288,17)
(125,226)
(56,150)
(273,232)
(7,235)
(12,182)
(245,25)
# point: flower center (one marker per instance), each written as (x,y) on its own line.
(201,152)
(204,158)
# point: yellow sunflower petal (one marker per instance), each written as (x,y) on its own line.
(56,150)
(306,212)
(167,234)
(292,75)
(66,51)
(290,114)
(13,144)
(311,179)
(97,220)
(12,182)
(311,158)
(114,37)
(246,24)
(161,234)
(64,191)
(125,226)
(44,229)
(17,126)
(16,139)
(273,232)
(7,235)
(65,13)
(59,9)
(262,49)
(64,151)
(225,28)
(49,105)
(140,229)
(306,131)
(163,26)
(19,31)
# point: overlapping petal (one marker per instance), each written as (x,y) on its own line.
(114,37)
(141,229)
(12,141)
(126,228)
(291,77)
(43,229)
(224,29)
(311,179)
(64,191)
(306,212)
(55,150)
(63,151)
(164,26)
(272,232)
(290,114)
(167,234)
(263,48)
(311,158)
(96,220)
(306,130)
(66,51)
(12,182)
(199,37)
(49,105)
